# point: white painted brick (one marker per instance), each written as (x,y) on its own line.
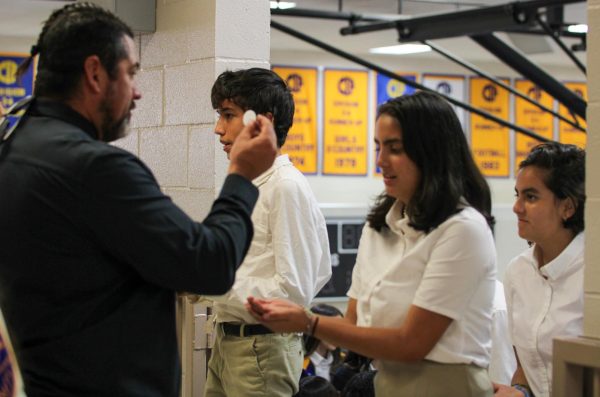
(129,142)
(221,65)
(202,157)
(201,43)
(149,109)
(195,203)
(591,316)
(187,91)
(165,151)
(163,48)
(235,36)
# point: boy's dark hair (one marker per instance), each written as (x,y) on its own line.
(70,35)
(360,385)
(434,140)
(565,176)
(316,386)
(261,90)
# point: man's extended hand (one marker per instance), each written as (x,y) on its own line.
(254,150)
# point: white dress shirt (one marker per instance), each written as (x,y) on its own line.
(289,254)
(450,271)
(543,304)
(503,362)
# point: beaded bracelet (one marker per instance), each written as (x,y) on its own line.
(313,320)
(523,389)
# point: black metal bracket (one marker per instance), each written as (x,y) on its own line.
(527,69)
(379,69)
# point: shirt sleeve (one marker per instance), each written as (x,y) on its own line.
(126,212)
(458,262)
(302,265)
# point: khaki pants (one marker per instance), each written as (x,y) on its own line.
(430,379)
(254,366)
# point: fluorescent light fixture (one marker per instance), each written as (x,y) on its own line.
(401,49)
(581,28)
(282,5)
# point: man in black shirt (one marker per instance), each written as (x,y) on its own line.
(91,251)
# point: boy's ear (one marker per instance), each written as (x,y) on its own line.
(269,115)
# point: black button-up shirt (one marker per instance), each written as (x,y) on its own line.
(91,254)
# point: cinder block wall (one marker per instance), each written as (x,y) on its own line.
(172,128)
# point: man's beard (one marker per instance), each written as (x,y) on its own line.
(111,129)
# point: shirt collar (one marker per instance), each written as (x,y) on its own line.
(564,262)
(319,360)
(398,222)
(59,110)
(280,161)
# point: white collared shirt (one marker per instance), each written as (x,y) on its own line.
(322,364)
(450,271)
(289,254)
(544,304)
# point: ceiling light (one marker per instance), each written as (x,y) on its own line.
(581,28)
(401,49)
(282,5)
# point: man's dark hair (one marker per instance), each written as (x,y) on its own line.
(434,140)
(70,35)
(261,90)
(565,176)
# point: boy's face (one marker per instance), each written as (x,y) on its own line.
(230,124)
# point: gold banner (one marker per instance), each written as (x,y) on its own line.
(531,117)
(302,140)
(566,132)
(489,140)
(345,131)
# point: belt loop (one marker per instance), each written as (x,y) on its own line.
(242,330)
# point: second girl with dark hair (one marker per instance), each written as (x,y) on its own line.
(423,284)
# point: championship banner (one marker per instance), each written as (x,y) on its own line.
(302,140)
(345,129)
(388,88)
(532,118)
(566,132)
(449,85)
(490,142)
(12,89)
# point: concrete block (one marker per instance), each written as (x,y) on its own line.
(196,203)
(591,316)
(163,48)
(149,109)
(222,65)
(242,29)
(129,142)
(201,156)
(164,150)
(187,92)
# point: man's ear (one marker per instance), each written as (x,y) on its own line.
(269,115)
(93,74)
